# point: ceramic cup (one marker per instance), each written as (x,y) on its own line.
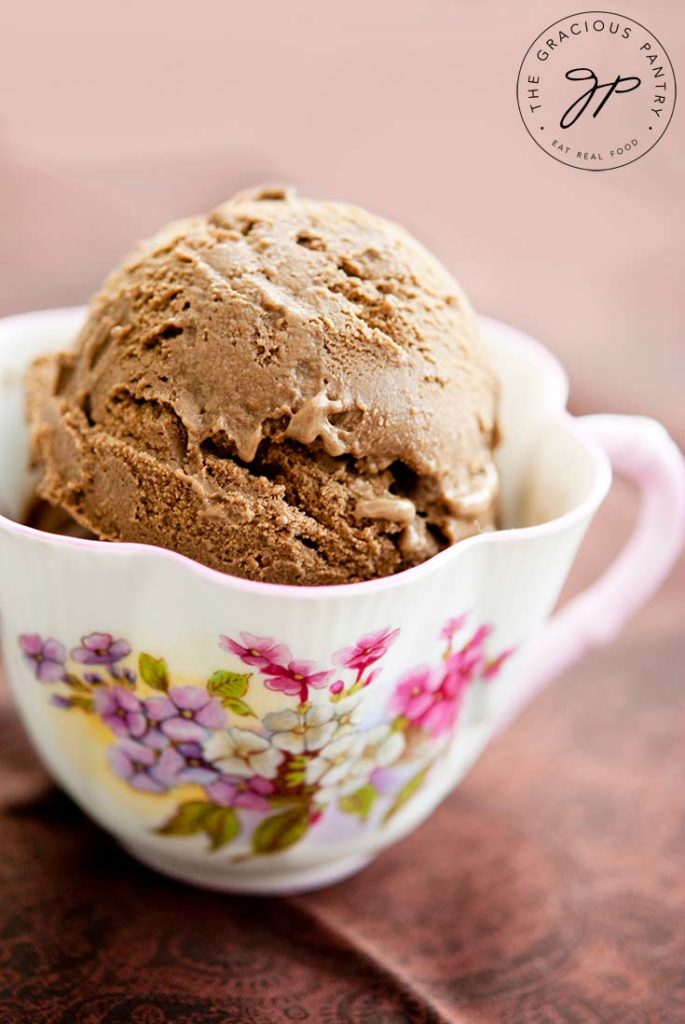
(263,738)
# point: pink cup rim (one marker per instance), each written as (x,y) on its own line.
(557,391)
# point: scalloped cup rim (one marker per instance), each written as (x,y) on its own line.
(555,401)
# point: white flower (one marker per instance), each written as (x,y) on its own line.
(244,753)
(348,713)
(333,762)
(300,732)
(348,761)
(382,745)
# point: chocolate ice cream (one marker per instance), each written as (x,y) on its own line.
(286,390)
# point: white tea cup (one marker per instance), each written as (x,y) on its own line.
(264,738)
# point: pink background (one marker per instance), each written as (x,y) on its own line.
(116,118)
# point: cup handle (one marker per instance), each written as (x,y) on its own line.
(641,450)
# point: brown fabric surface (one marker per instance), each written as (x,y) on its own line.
(548,889)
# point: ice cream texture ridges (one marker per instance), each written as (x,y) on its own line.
(287,390)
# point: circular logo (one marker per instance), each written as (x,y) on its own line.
(596,90)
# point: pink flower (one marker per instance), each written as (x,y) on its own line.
(100,649)
(366,651)
(452,626)
(441,717)
(415,692)
(46,657)
(464,665)
(260,651)
(469,661)
(493,667)
(186,713)
(371,676)
(250,793)
(295,678)
(478,639)
(430,698)
(337,687)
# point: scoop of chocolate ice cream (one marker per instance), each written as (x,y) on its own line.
(287,390)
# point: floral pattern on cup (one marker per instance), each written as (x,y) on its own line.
(269,777)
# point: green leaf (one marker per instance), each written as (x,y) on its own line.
(293,778)
(76,684)
(229,687)
(228,684)
(295,771)
(84,703)
(360,802)
(222,826)
(154,672)
(238,707)
(407,792)
(281,831)
(285,800)
(188,819)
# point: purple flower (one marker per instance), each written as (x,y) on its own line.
(185,764)
(60,702)
(121,711)
(137,765)
(185,714)
(250,793)
(45,656)
(100,649)
(260,651)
